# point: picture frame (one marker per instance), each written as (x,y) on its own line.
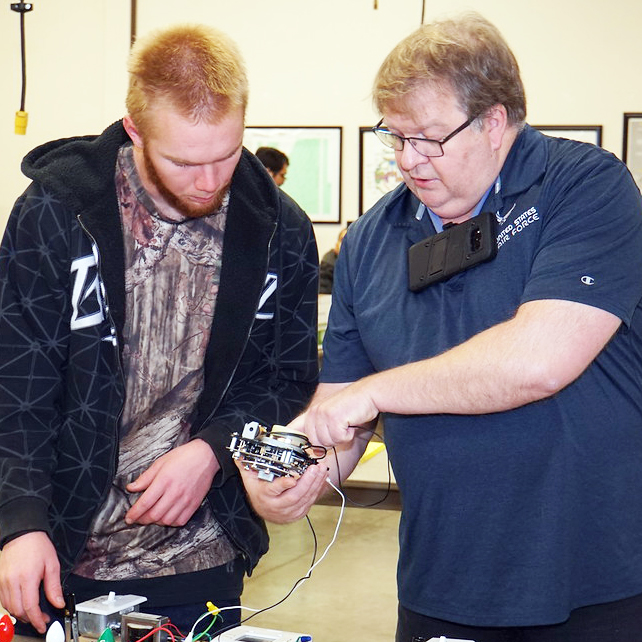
(314,172)
(632,145)
(583,133)
(378,171)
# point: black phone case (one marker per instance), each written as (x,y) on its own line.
(457,248)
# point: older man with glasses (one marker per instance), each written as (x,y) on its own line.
(511,391)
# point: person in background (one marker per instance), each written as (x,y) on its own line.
(510,392)
(276,163)
(326,266)
(157,291)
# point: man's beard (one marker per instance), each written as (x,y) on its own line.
(190,210)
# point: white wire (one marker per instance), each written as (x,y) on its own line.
(190,635)
(308,574)
(336,529)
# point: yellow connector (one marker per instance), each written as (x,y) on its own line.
(21,122)
(214,610)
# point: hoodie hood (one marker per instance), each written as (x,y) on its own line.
(75,168)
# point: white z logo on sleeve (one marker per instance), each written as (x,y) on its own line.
(86,292)
(268,290)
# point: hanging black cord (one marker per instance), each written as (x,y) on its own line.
(23,53)
(343,490)
(133,21)
(22,8)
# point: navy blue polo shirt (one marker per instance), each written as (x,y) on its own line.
(511,518)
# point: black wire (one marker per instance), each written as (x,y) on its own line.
(352,501)
(24,62)
(267,608)
(133,21)
(314,538)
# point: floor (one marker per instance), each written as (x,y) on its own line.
(351,593)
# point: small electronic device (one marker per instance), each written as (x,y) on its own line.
(253,634)
(459,247)
(134,626)
(100,613)
(274,452)
(71,619)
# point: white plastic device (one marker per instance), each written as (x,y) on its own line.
(95,615)
(255,634)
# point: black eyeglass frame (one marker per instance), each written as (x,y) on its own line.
(377,128)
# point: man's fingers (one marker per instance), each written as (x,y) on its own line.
(143,505)
(312,480)
(298,499)
(284,499)
(142,481)
(268,489)
(52,586)
(11,599)
(32,612)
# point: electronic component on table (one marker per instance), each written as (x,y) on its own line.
(134,626)
(71,619)
(106,611)
(253,634)
(274,452)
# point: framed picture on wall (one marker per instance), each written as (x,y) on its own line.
(632,145)
(314,173)
(583,133)
(378,171)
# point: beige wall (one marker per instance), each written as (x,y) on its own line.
(310,63)
(76,53)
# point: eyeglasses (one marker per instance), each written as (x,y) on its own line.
(425,146)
